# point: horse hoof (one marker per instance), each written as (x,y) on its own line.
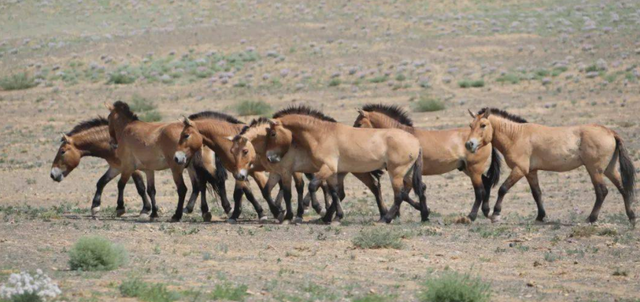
(297,220)
(144,217)
(323,212)
(153,218)
(120,212)
(188,210)
(495,219)
(230,213)
(280,217)
(207,217)
(232,221)
(472,217)
(94,212)
(592,220)
(175,218)
(263,219)
(486,212)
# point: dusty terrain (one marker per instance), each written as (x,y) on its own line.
(552,62)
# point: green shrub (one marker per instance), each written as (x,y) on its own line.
(25,297)
(136,288)
(145,108)
(249,107)
(120,77)
(401,77)
(454,287)
(96,253)
(335,82)
(427,104)
(379,79)
(469,83)
(18,81)
(151,116)
(230,292)
(378,238)
(509,78)
(373,298)
(558,70)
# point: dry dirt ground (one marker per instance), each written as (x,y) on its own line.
(552,62)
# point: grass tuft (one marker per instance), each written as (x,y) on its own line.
(471,83)
(249,107)
(228,291)
(18,81)
(455,287)
(136,288)
(146,109)
(378,238)
(427,104)
(94,253)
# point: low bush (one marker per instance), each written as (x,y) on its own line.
(249,107)
(378,238)
(18,81)
(96,253)
(455,287)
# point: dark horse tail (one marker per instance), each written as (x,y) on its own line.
(627,170)
(419,187)
(493,174)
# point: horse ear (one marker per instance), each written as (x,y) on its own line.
(473,115)
(361,112)
(186,121)
(109,106)
(65,138)
(230,138)
(274,123)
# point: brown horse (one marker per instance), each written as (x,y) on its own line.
(250,145)
(211,129)
(91,138)
(528,148)
(335,148)
(150,147)
(442,151)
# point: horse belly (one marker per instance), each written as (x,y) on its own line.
(558,160)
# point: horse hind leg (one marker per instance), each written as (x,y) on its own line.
(139,182)
(532,178)
(601,193)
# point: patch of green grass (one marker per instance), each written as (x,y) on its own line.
(590,230)
(455,287)
(592,68)
(120,77)
(401,77)
(18,81)
(510,78)
(471,83)
(378,238)
(229,292)
(551,257)
(428,104)
(373,298)
(136,288)
(558,70)
(489,231)
(335,82)
(249,107)
(94,253)
(379,79)
(151,116)
(140,104)
(24,297)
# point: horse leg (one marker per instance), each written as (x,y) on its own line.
(486,206)
(266,186)
(237,202)
(615,178)
(151,190)
(397,183)
(199,178)
(532,178)
(514,177)
(182,193)
(139,182)
(298,180)
(601,193)
(286,194)
(335,184)
(256,205)
(478,188)
(102,182)
(195,188)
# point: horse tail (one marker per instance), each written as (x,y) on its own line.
(377,174)
(627,170)
(221,173)
(419,188)
(493,174)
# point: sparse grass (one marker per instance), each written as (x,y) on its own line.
(455,287)
(94,253)
(510,78)
(379,79)
(145,108)
(335,82)
(590,230)
(151,116)
(136,288)
(378,238)
(471,83)
(24,297)
(18,81)
(428,104)
(250,107)
(551,257)
(120,77)
(373,298)
(229,292)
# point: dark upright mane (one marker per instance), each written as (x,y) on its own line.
(393,111)
(254,123)
(304,110)
(503,114)
(123,108)
(88,124)
(215,115)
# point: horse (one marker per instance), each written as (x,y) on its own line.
(150,147)
(249,146)
(442,151)
(335,148)
(91,138)
(211,129)
(528,148)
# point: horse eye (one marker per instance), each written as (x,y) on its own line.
(273,134)
(186,136)
(245,151)
(62,152)
(483,126)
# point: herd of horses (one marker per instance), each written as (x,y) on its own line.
(299,141)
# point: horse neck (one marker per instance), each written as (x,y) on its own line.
(305,130)
(120,123)
(505,133)
(94,142)
(215,128)
(380,120)
(257,136)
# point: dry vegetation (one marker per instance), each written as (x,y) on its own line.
(553,62)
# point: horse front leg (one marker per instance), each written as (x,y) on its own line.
(182,193)
(275,209)
(532,178)
(109,175)
(151,190)
(122,183)
(478,188)
(142,191)
(202,187)
(195,188)
(514,177)
(237,202)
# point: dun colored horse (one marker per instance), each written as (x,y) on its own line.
(211,129)
(335,148)
(91,138)
(150,147)
(442,151)
(529,148)
(250,145)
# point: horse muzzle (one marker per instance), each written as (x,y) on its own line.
(472,145)
(57,174)
(180,158)
(241,176)
(273,158)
